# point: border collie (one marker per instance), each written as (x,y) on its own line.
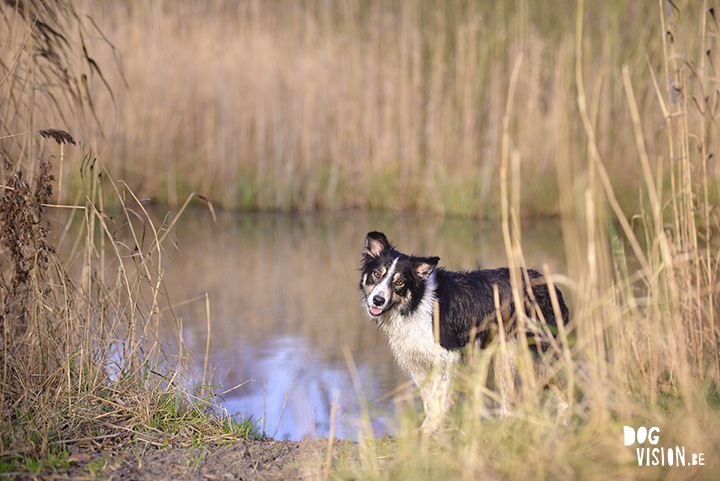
(429,314)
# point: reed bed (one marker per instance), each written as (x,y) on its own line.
(84,364)
(382,105)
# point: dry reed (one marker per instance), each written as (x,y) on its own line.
(82,356)
(384,105)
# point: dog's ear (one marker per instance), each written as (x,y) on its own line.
(424,265)
(375,243)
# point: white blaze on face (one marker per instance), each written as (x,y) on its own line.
(379,297)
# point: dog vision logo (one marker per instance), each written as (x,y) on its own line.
(659,455)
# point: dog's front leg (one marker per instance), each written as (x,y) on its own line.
(505,376)
(437,395)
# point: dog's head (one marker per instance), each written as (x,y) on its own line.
(392,280)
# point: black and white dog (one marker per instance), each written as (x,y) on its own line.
(402,293)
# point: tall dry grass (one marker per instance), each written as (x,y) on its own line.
(641,349)
(82,359)
(391,105)
(460,108)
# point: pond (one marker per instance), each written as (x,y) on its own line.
(285,308)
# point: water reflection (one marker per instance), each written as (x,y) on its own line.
(300,387)
(284,304)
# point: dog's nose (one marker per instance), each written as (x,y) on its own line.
(378,300)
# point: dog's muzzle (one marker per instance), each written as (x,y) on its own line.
(376,305)
(378,302)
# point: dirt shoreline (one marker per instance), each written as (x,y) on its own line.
(242,460)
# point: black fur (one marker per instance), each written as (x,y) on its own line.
(467,304)
(466,299)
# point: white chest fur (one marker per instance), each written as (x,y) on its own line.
(412,339)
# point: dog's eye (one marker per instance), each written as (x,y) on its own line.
(377,274)
(399,282)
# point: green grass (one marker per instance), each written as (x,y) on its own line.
(55,462)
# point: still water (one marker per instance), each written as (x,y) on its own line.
(285,308)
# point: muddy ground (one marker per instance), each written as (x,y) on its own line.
(242,460)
